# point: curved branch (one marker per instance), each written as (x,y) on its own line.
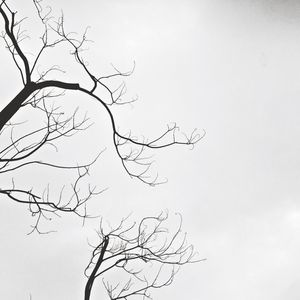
(9,29)
(139,252)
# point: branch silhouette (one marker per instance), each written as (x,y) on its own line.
(39,89)
(146,255)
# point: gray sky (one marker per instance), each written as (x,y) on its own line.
(230,67)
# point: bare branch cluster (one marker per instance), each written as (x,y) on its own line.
(39,88)
(21,151)
(146,256)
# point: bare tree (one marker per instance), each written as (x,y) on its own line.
(145,255)
(20,149)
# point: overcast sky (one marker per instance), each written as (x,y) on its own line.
(229,67)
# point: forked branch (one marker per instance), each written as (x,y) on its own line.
(132,151)
(146,256)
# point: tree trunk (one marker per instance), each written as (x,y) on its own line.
(92,277)
(14,105)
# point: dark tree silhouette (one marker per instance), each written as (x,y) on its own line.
(145,252)
(146,256)
(21,149)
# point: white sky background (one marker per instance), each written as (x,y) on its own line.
(231,67)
